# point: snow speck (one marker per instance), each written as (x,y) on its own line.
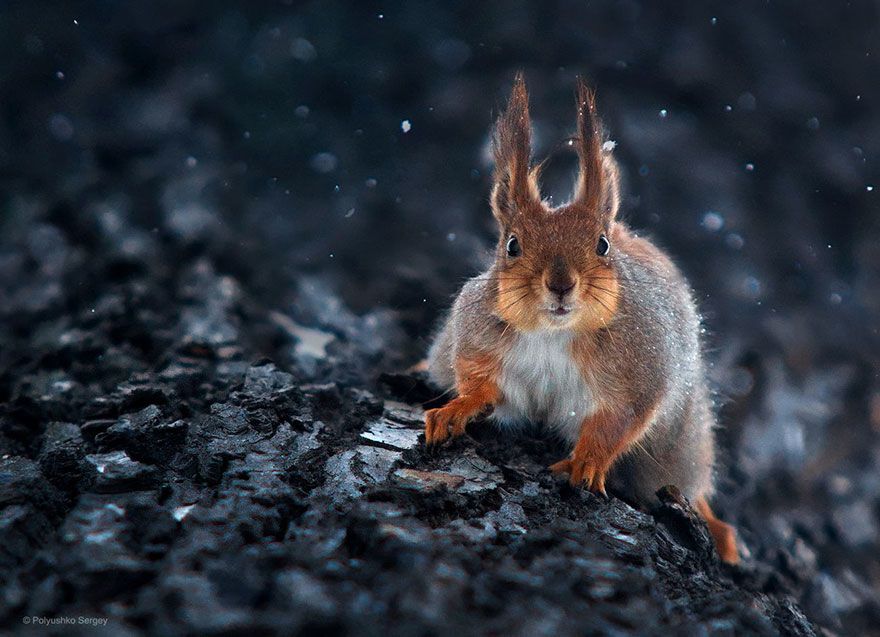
(76,22)
(59,75)
(663,112)
(191,162)
(406,126)
(835,298)
(246,134)
(750,167)
(349,213)
(713,21)
(324,163)
(609,146)
(728,108)
(813,123)
(381,16)
(451,236)
(712,221)
(301,111)
(869,188)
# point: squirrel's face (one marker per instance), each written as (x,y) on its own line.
(555,270)
(554,266)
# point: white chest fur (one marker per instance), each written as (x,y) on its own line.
(541,383)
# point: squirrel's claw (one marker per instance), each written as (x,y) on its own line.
(436,429)
(582,471)
(442,423)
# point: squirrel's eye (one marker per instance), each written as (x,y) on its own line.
(603,246)
(513,249)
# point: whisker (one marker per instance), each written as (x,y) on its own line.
(504,331)
(497,275)
(439,396)
(477,302)
(638,444)
(509,306)
(600,302)
(599,287)
(608,331)
(494,278)
(626,279)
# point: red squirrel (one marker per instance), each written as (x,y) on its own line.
(583,326)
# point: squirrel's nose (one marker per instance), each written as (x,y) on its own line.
(560,287)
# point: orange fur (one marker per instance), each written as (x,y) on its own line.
(604,437)
(477,388)
(522,288)
(601,293)
(723,533)
(512,306)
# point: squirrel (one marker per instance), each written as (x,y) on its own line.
(584,326)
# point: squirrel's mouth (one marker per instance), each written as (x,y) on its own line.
(560,310)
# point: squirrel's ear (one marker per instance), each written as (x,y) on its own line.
(597,187)
(515,184)
(610,186)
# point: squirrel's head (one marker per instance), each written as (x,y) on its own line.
(554,266)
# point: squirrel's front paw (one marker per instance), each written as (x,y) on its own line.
(583,470)
(442,423)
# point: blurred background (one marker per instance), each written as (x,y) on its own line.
(331,158)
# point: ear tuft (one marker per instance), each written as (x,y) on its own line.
(589,147)
(511,146)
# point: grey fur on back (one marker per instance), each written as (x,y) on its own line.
(659,324)
(471,324)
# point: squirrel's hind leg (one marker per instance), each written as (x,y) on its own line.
(723,533)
